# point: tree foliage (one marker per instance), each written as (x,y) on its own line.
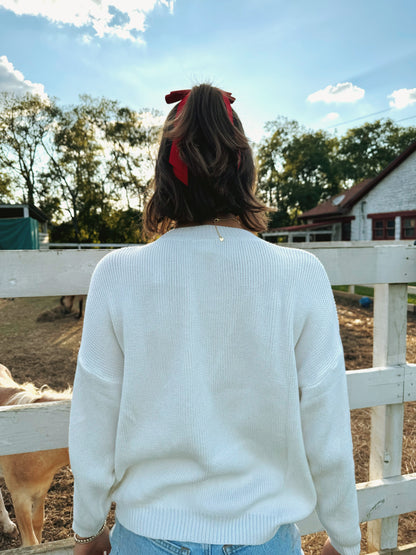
(74,171)
(25,123)
(365,151)
(298,168)
(116,226)
(5,187)
(80,162)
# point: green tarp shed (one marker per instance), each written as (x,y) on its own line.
(19,233)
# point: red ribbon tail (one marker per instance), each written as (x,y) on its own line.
(180,169)
(228,107)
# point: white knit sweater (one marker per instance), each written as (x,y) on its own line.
(210,399)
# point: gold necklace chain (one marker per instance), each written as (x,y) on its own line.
(216,220)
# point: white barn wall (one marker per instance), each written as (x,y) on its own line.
(396,192)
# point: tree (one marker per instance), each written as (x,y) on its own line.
(271,159)
(25,124)
(117,226)
(5,186)
(297,168)
(310,171)
(366,150)
(74,170)
(123,226)
(101,154)
(129,144)
(80,161)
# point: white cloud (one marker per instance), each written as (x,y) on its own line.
(342,92)
(86,39)
(402,98)
(121,18)
(331,116)
(13,81)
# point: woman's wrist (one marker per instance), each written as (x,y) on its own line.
(79,539)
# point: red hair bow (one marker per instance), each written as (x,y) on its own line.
(180,169)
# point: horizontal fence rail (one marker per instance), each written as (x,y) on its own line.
(373,387)
(44,426)
(60,547)
(68,272)
(34,427)
(376,499)
(80,246)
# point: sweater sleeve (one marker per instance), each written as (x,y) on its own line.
(325,414)
(95,409)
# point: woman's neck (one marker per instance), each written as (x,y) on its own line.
(227,220)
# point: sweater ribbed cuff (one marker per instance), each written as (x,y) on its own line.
(350,550)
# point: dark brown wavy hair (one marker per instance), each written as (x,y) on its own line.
(221,171)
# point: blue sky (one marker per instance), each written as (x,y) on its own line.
(319,62)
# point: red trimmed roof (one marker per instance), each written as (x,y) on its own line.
(351,196)
(303,226)
(346,198)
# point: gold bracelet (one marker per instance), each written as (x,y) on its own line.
(78,539)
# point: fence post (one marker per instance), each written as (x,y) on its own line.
(389,348)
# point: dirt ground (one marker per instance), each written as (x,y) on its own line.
(45,353)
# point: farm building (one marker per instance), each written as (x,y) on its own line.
(22,226)
(377,209)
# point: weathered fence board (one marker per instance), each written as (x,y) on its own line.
(386,497)
(410,383)
(41,273)
(376,499)
(68,272)
(45,425)
(60,547)
(389,347)
(377,386)
(369,264)
(36,427)
(409,549)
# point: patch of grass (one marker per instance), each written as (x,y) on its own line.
(340,288)
(359,290)
(365,291)
(369,292)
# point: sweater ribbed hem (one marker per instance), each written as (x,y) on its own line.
(177,525)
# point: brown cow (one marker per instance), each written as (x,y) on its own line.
(28,476)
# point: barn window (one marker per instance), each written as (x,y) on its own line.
(383,228)
(409,228)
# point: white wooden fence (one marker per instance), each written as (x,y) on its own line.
(385,387)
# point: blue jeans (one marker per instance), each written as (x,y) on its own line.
(123,542)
